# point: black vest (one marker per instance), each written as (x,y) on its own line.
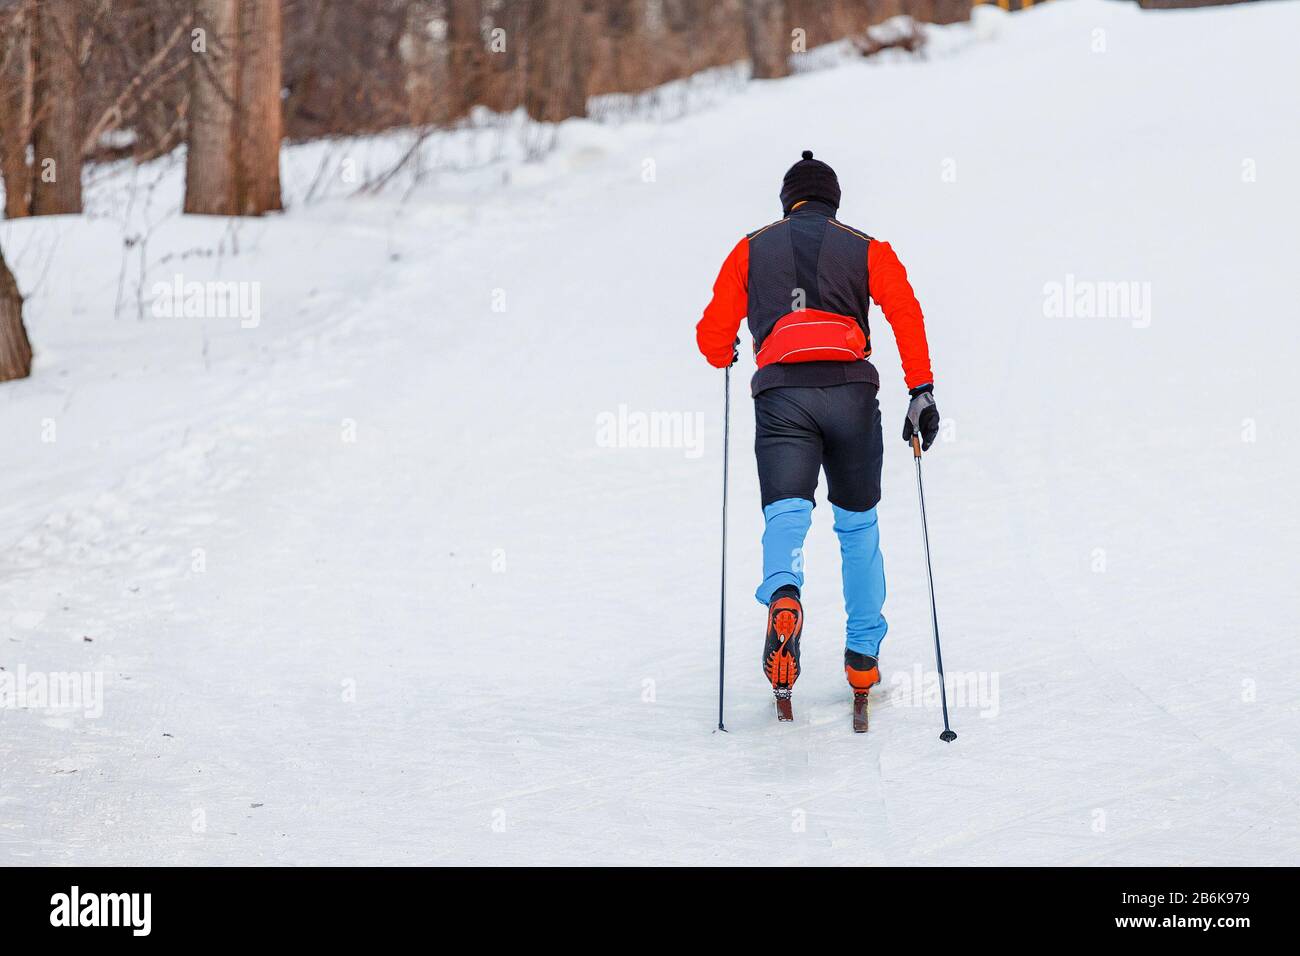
(808,260)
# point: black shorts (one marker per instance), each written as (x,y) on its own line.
(800,430)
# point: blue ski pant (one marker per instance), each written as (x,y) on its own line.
(800,431)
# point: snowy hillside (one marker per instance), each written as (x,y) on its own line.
(376,572)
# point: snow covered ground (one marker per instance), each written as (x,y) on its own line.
(374,575)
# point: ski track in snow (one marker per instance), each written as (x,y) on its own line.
(474,635)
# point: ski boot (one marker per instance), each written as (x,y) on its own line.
(863,673)
(781,649)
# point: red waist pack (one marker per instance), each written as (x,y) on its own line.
(813,336)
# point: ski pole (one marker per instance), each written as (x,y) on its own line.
(948,733)
(722,622)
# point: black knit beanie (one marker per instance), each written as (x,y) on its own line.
(809,179)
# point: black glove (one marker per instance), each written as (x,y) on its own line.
(922,416)
(735,351)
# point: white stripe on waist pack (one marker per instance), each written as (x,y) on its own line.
(795,326)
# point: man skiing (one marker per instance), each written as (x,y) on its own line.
(805,283)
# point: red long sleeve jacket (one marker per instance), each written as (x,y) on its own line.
(804,283)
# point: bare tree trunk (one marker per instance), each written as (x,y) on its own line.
(419,64)
(15,350)
(559,60)
(466,55)
(623,59)
(56,137)
(17,74)
(210,166)
(949,11)
(505,78)
(680,16)
(769,46)
(260,112)
(816,18)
